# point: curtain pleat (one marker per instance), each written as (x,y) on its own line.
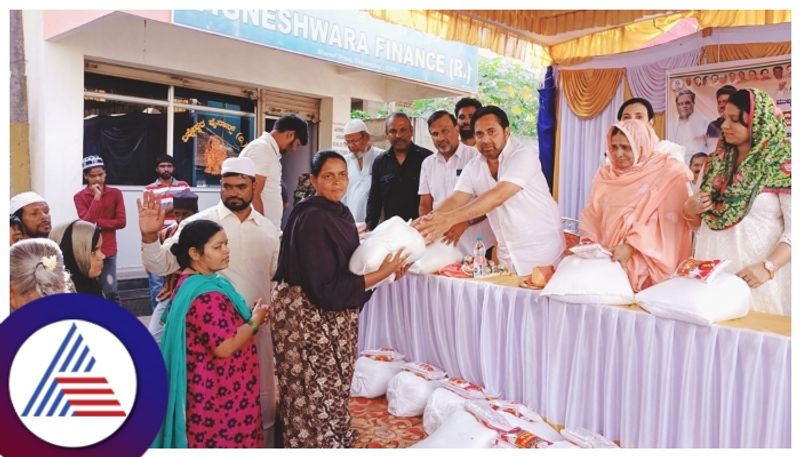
(648,81)
(580,151)
(588,92)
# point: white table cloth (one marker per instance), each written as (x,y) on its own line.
(642,380)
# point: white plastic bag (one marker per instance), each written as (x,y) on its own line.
(692,300)
(586,438)
(371,377)
(437,255)
(599,281)
(441,404)
(388,237)
(523,417)
(460,430)
(408,393)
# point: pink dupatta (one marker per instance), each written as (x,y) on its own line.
(641,206)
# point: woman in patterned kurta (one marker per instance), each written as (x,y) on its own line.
(209,350)
(315,311)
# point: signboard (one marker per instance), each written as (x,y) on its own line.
(772,75)
(351,38)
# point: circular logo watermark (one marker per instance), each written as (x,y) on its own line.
(86,383)
(84,377)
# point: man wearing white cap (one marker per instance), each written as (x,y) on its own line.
(102,205)
(253,244)
(33,211)
(359,167)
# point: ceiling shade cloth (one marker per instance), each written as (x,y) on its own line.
(544,37)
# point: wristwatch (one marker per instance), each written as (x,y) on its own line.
(770,267)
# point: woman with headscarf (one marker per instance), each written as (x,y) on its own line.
(80,243)
(209,350)
(634,208)
(316,303)
(744,207)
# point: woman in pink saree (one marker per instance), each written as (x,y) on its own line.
(634,208)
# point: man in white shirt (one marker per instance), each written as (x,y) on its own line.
(689,129)
(253,243)
(359,167)
(288,133)
(438,177)
(511,191)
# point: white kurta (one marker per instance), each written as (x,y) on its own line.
(691,134)
(266,155)
(752,240)
(438,179)
(527,225)
(360,182)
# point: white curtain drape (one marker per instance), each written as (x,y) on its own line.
(582,144)
(649,81)
(644,380)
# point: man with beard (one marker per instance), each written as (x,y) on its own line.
(288,133)
(395,174)
(506,184)
(359,167)
(34,213)
(102,205)
(253,244)
(437,181)
(166,186)
(464,110)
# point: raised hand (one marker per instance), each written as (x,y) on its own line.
(151,216)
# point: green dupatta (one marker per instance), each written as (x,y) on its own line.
(173,347)
(766,168)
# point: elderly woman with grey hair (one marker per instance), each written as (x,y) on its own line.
(36,270)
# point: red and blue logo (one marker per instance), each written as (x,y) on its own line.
(84,377)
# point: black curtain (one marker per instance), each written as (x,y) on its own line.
(128,143)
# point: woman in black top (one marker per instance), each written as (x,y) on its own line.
(315,310)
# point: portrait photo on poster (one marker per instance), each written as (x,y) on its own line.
(696,97)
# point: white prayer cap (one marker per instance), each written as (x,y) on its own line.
(241,165)
(24,199)
(355,126)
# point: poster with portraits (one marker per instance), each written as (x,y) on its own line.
(696,97)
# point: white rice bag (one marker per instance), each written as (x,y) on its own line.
(441,404)
(523,417)
(460,430)
(437,255)
(388,237)
(408,394)
(373,371)
(594,281)
(586,438)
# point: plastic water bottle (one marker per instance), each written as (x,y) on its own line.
(479,259)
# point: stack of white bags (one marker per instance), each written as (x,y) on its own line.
(457,413)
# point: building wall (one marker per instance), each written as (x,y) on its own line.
(55,87)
